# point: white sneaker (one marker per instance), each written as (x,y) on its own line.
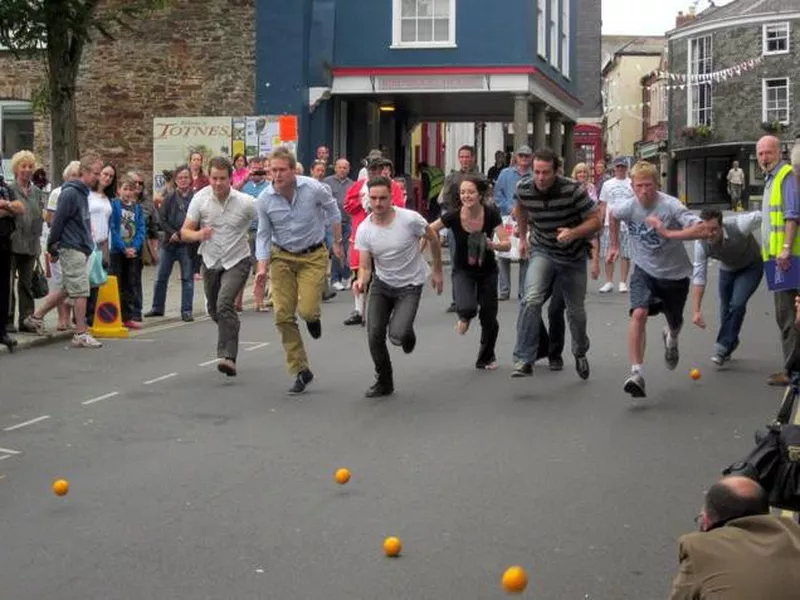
(85,340)
(607,287)
(623,287)
(339,286)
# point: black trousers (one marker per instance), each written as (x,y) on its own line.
(391,311)
(22,265)
(476,294)
(5,281)
(128,272)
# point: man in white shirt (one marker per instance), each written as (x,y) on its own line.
(616,190)
(219,217)
(390,236)
(732,243)
(736,185)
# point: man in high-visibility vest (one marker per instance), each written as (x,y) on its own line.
(779,241)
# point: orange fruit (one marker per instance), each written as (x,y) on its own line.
(342,476)
(515,580)
(694,374)
(60,487)
(392,546)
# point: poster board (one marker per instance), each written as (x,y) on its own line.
(175,138)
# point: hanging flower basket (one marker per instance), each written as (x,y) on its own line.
(699,132)
(777,127)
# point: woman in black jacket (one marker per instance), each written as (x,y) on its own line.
(9,209)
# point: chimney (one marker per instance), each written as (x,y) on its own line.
(685,19)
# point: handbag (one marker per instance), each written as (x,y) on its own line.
(39,286)
(97,274)
(775,461)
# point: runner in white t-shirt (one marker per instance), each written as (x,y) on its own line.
(390,238)
(614,191)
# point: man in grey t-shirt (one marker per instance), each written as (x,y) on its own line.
(658,225)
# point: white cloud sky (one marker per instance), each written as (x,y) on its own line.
(648,17)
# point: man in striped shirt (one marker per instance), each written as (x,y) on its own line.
(562,219)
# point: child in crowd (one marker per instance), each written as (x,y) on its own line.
(127,238)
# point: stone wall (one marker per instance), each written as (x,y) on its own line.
(588,58)
(189,59)
(737,102)
(21,79)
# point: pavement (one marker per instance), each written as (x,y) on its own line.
(189,485)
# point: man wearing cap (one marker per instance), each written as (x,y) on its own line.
(373,154)
(504,191)
(356,204)
(615,190)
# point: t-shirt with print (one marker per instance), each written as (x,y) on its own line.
(615,190)
(395,248)
(491,220)
(127,223)
(657,256)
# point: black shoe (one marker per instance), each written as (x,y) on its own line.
(582,367)
(328,295)
(556,363)
(186,317)
(304,377)
(8,342)
(11,328)
(315,329)
(409,343)
(355,318)
(522,369)
(153,313)
(378,390)
(451,308)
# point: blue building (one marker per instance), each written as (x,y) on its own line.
(362,73)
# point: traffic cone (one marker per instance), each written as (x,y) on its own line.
(107,313)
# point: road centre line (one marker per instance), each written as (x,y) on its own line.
(256,347)
(99,398)
(209,362)
(5,456)
(10,451)
(26,423)
(162,378)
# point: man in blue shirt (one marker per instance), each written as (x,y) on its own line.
(290,244)
(504,190)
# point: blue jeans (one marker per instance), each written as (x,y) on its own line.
(340,271)
(543,274)
(168,255)
(735,289)
(504,273)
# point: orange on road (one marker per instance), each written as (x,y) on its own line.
(392,546)
(515,580)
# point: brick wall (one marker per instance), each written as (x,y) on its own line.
(192,58)
(737,102)
(21,79)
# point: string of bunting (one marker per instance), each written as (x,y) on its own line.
(681,80)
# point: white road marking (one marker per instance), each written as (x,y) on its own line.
(249,343)
(99,398)
(26,423)
(208,362)
(5,456)
(9,451)
(256,347)
(162,378)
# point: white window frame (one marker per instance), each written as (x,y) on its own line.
(565,32)
(541,28)
(787,30)
(397,28)
(765,110)
(693,85)
(553,27)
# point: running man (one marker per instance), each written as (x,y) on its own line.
(732,243)
(658,225)
(390,236)
(290,245)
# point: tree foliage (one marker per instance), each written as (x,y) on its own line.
(59,30)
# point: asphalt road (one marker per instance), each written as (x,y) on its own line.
(188,485)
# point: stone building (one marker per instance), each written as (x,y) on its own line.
(734,77)
(191,58)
